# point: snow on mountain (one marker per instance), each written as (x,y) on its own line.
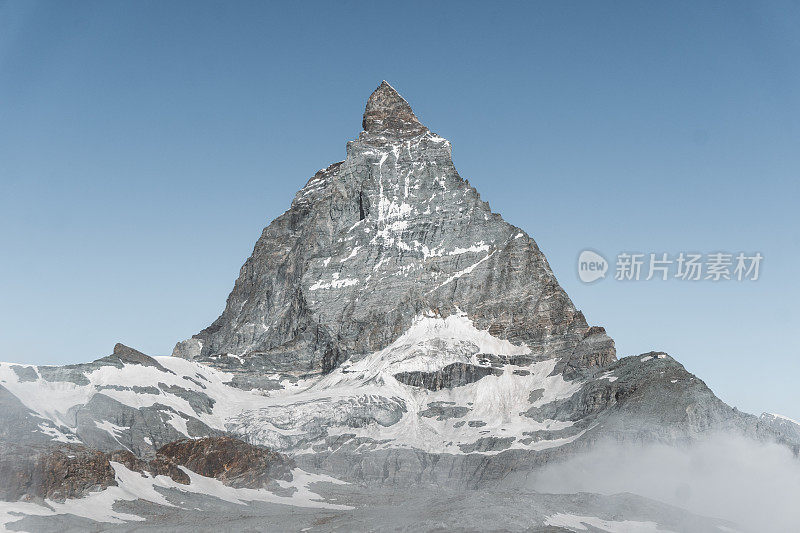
(364,397)
(788,428)
(389,330)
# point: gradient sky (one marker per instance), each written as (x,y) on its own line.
(144,145)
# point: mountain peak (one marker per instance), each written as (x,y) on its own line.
(388,113)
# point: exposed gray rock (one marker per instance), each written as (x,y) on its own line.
(25,373)
(136,388)
(139,430)
(19,426)
(535,395)
(68,374)
(594,351)
(443,411)
(201,403)
(371,242)
(486,444)
(124,355)
(188,349)
(453,375)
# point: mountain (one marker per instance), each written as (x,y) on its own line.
(391,347)
(374,242)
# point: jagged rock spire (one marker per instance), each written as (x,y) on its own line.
(388,113)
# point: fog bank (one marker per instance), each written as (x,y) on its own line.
(755,485)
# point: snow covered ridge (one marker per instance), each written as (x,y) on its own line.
(780,418)
(90,403)
(97,404)
(786,427)
(443,386)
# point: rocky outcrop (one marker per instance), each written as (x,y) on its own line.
(124,355)
(188,349)
(230,460)
(388,113)
(72,471)
(453,375)
(596,350)
(56,473)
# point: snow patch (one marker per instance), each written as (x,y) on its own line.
(464,272)
(58,435)
(335,283)
(582,523)
(475,248)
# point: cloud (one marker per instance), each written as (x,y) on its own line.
(756,485)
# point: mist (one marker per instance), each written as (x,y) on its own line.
(756,485)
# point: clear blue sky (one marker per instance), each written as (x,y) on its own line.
(144,145)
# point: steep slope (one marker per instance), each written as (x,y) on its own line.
(375,241)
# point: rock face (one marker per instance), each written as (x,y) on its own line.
(370,243)
(230,460)
(453,375)
(388,113)
(123,355)
(73,471)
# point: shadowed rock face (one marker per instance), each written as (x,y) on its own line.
(454,375)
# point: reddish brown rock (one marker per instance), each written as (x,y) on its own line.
(72,471)
(57,473)
(387,112)
(230,460)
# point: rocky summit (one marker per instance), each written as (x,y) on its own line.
(371,244)
(393,356)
